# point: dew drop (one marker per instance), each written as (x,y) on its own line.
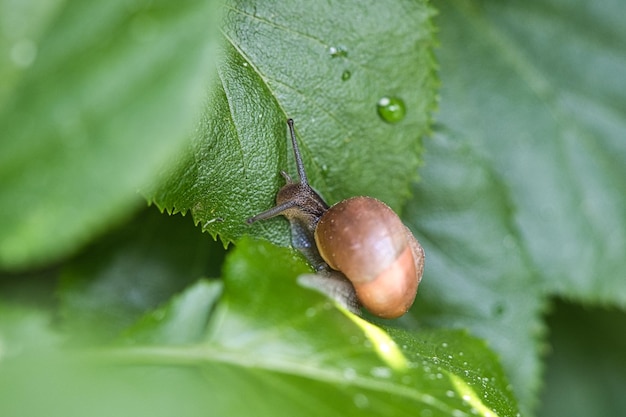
(361,400)
(391,109)
(449,393)
(349,374)
(23,53)
(380,372)
(498,309)
(354,339)
(159,315)
(337,52)
(509,242)
(345,76)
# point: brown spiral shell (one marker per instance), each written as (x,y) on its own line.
(363,238)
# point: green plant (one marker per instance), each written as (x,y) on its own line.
(516,194)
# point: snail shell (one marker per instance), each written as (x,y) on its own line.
(363,238)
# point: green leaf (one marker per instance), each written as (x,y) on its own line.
(298,349)
(275,348)
(181,321)
(477,276)
(586,366)
(96,97)
(285,349)
(522,196)
(286,60)
(132,270)
(25,331)
(63,385)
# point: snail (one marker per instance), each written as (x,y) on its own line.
(359,246)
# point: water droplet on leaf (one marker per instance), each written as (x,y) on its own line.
(361,401)
(345,76)
(337,51)
(23,53)
(498,309)
(391,109)
(380,372)
(349,374)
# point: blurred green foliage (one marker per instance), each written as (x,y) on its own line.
(517,195)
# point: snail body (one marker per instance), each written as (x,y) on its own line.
(361,237)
